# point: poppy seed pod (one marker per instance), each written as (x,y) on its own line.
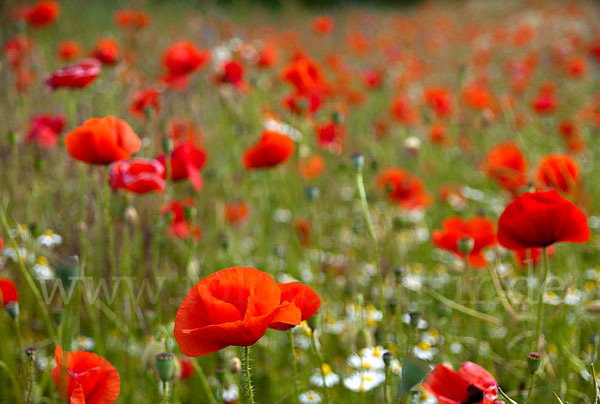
(165,366)
(358,159)
(465,245)
(314,322)
(533,361)
(12,309)
(387,358)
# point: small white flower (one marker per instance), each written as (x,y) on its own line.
(573,297)
(282,216)
(84,343)
(412,282)
(331,378)
(552,298)
(310,397)
(364,381)
(42,270)
(49,239)
(424,351)
(231,393)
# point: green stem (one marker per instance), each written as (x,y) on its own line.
(385,385)
(501,294)
(165,395)
(465,310)
(30,378)
(540,308)
(365,207)
(109,230)
(506,397)
(313,340)
(13,379)
(204,382)
(29,279)
(530,391)
(247,371)
(294,364)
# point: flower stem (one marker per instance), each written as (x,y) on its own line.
(385,385)
(463,309)
(109,230)
(204,382)
(294,364)
(540,308)
(365,207)
(501,294)
(247,371)
(530,391)
(313,340)
(165,391)
(13,379)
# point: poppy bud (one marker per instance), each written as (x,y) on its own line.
(465,245)
(224,242)
(358,159)
(533,361)
(131,215)
(364,339)
(311,193)
(30,352)
(415,318)
(67,269)
(148,112)
(387,358)
(235,365)
(167,144)
(38,165)
(189,212)
(165,366)
(12,309)
(337,117)
(314,322)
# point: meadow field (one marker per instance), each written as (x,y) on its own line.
(355,203)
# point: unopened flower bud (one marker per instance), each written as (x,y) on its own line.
(337,117)
(415,318)
(235,365)
(165,366)
(387,358)
(533,361)
(465,245)
(364,339)
(189,212)
(12,309)
(358,159)
(314,322)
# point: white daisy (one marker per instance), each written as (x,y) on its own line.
(310,397)
(49,239)
(42,270)
(364,381)
(331,378)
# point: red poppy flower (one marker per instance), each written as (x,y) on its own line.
(79,75)
(530,255)
(16,50)
(1,244)
(131,18)
(267,56)
(45,129)
(403,111)
(331,136)
(301,296)
(41,14)
(576,67)
(305,75)
(145,101)
(102,141)
(303,104)
(477,96)
(478,229)
(68,50)
(403,188)
(372,78)
(180,226)
(181,60)
(182,130)
(8,290)
(540,219)
(303,228)
(312,167)
(139,176)
(439,135)
(558,171)
(236,212)
(545,103)
(507,165)
(186,162)
(471,384)
(323,24)
(233,306)
(187,368)
(85,378)
(273,148)
(106,51)
(232,72)
(440,100)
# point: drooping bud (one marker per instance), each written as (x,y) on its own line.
(314,322)
(165,366)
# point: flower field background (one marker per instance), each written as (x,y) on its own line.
(362,204)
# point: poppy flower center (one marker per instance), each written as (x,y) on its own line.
(474,395)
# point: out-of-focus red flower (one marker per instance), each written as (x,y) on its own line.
(403,188)
(576,67)
(232,72)
(233,306)
(301,296)
(182,130)
(507,165)
(312,167)
(272,149)
(236,212)
(79,75)
(323,24)
(25,78)
(545,102)
(139,176)
(267,56)
(439,135)
(131,19)
(144,102)
(471,384)
(45,129)
(68,50)
(302,226)
(540,219)
(331,136)
(186,162)
(85,378)
(452,195)
(305,75)
(480,230)
(187,368)
(181,60)
(17,49)
(569,131)
(558,171)
(180,226)
(439,100)
(303,104)
(531,256)
(106,51)
(372,78)
(1,244)
(403,111)
(8,291)
(41,14)
(477,96)
(102,141)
